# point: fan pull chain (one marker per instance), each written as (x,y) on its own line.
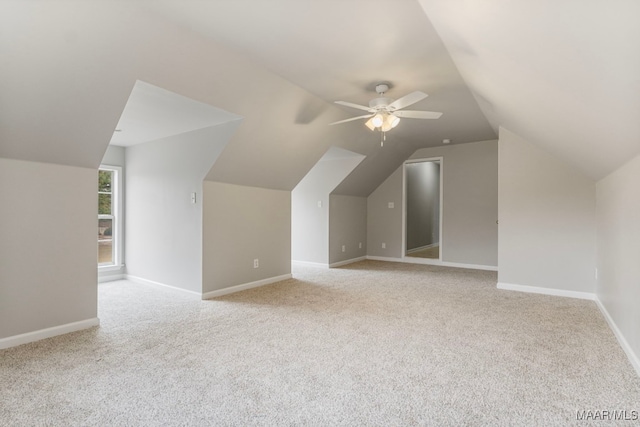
(383,139)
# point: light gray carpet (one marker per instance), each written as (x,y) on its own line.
(372,343)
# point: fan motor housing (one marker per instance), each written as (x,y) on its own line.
(380,103)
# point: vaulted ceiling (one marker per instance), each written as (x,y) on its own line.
(564,75)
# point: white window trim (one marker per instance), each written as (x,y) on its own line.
(116,214)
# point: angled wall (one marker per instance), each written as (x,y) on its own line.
(310,205)
(547,219)
(164,227)
(618,240)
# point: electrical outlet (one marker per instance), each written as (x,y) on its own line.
(384,246)
(256,263)
(360,245)
(391,205)
(319,203)
(344,248)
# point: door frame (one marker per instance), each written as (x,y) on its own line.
(404,208)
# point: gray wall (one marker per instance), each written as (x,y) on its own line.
(547,219)
(48,250)
(470,201)
(241,224)
(309,221)
(348,227)
(618,240)
(384,224)
(164,229)
(470,206)
(422,183)
(309,225)
(115,156)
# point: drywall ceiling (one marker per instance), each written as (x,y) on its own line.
(339,50)
(152,113)
(71,66)
(331,170)
(564,75)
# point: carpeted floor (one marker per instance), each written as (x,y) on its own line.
(372,344)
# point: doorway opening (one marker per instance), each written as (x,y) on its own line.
(423,209)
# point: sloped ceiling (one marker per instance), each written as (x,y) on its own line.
(153,113)
(339,50)
(330,170)
(561,74)
(564,75)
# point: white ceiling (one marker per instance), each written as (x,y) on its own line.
(562,74)
(152,113)
(340,50)
(565,75)
(335,49)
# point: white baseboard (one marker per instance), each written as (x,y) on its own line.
(309,264)
(547,291)
(427,261)
(111,277)
(383,258)
(48,333)
(421,248)
(142,281)
(245,286)
(633,358)
(348,261)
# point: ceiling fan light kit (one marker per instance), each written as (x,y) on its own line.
(383,122)
(384,113)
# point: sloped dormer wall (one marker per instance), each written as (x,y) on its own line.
(310,205)
(164,205)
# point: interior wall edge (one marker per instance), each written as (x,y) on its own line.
(633,357)
(54,331)
(634,360)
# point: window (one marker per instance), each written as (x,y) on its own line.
(108,216)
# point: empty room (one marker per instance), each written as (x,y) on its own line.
(360,212)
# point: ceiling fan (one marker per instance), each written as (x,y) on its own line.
(384,113)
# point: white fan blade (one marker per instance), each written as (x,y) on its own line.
(417,114)
(351,119)
(407,100)
(359,107)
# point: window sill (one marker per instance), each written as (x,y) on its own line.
(102,268)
